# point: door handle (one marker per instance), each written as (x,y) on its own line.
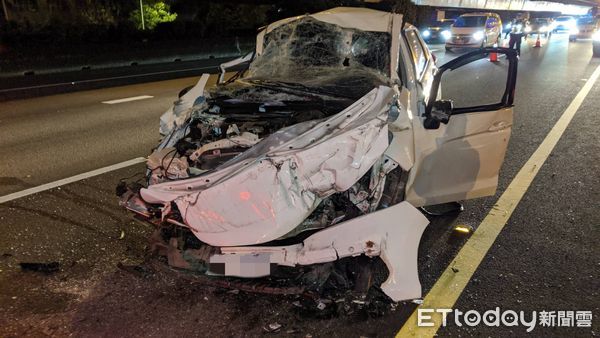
(499,126)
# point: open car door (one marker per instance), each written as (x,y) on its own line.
(461,139)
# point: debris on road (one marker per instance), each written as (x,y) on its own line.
(273,327)
(46,268)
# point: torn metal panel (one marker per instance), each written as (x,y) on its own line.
(235,62)
(179,112)
(401,148)
(275,191)
(393,233)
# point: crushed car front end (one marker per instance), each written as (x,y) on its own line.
(283,165)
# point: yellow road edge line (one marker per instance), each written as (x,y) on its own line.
(450,285)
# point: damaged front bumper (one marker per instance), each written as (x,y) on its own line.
(393,234)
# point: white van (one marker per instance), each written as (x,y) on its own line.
(475,30)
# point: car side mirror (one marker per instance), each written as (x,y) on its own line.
(440,113)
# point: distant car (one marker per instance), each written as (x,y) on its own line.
(439,31)
(475,30)
(542,26)
(564,24)
(585,27)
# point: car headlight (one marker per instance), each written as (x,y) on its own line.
(596,36)
(478,36)
(543,29)
(446,35)
(527,29)
(426,33)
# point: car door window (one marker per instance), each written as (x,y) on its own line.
(418,51)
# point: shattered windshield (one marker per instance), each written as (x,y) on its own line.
(318,54)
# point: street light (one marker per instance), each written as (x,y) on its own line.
(142,15)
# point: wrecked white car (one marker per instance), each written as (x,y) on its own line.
(319,150)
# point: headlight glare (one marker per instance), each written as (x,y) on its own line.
(446,35)
(543,29)
(478,36)
(596,36)
(527,29)
(426,33)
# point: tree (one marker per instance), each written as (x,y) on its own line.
(154,14)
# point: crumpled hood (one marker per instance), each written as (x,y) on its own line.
(276,184)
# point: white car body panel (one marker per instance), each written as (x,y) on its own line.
(460,160)
(392,233)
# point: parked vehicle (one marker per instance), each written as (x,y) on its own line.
(475,30)
(320,150)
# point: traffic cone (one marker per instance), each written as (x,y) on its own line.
(494,55)
(538,43)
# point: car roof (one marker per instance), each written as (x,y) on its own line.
(365,19)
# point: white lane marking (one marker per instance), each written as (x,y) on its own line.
(68,180)
(128,99)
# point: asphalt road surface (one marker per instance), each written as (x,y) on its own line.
(546,258)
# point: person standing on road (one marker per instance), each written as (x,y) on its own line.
(516,35)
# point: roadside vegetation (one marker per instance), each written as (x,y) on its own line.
(82,32)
